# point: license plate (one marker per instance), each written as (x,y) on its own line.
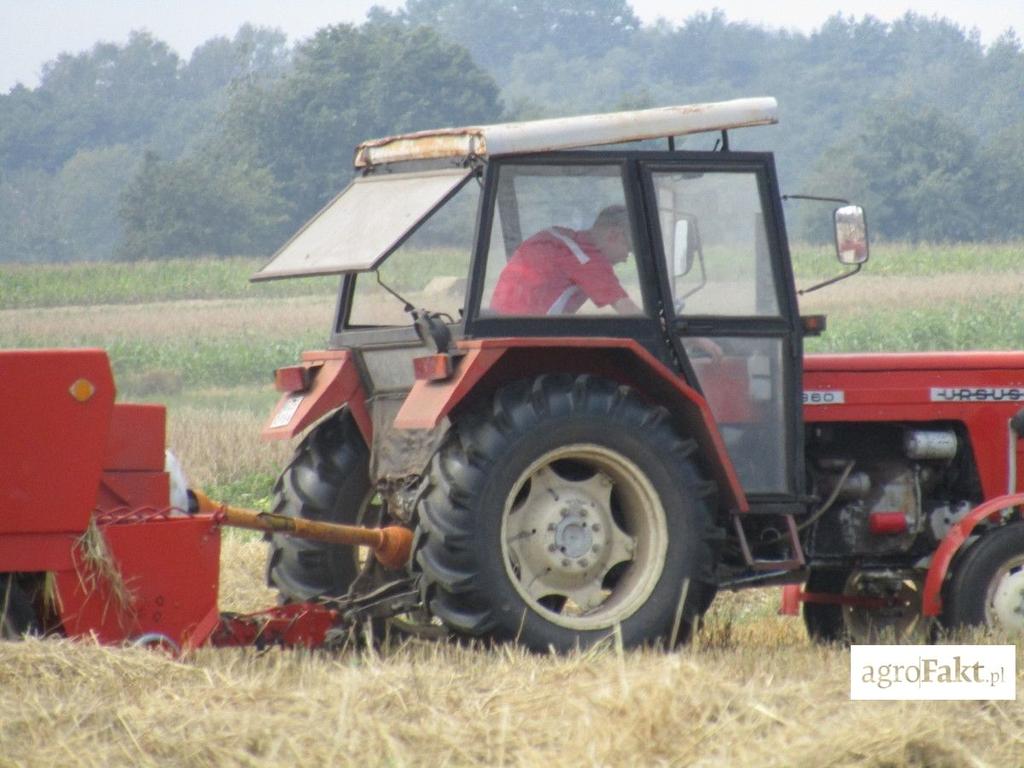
(284,416)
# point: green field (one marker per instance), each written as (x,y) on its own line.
(198,336)
(916,259)
(90,283)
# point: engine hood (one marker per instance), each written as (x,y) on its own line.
(916,361)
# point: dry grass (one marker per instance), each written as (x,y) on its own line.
(216,445)
(903,292)
(76,704)
(242,581)
(751,691)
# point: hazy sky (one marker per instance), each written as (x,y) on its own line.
(35,31)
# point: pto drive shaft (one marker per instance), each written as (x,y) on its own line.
(390,545)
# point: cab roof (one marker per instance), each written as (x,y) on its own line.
(371,217)
(567,132)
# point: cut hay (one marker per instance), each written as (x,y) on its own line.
(750,691)
(98,572)
(431,704)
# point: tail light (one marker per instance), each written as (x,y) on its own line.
(433,367)
(294,378)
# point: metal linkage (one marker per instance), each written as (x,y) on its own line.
(300,624)
(391,545)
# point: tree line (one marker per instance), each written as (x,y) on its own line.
(130,151)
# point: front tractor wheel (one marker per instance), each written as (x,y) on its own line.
(987,585)
(889,607)
(569,509)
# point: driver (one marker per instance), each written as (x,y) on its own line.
(556,270)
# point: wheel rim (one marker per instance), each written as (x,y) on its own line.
(1004,603)
(901,620)
(584,537)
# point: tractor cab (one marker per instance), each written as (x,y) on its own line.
(435,222)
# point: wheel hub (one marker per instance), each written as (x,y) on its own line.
(573,540)
(573,537)
(1008,600)
(901,619)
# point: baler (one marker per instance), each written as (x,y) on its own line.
(97,539)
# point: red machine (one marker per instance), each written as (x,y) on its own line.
(85,497)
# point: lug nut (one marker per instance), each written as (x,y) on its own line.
(595,527)
(565,563)
(583,563)
(552,548)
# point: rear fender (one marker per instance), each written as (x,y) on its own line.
(487,364)
(335,383)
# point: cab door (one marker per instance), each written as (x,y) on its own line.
(730,308)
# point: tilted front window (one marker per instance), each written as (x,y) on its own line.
(712,228)
(429,269)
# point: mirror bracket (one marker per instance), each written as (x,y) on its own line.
(831,280)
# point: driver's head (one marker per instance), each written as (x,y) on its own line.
(610,232)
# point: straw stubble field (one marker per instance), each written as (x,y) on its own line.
(750,691)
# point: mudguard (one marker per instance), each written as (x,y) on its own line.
(951,544)
(487,364)
(335,382)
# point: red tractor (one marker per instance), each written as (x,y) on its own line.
(623,437)
(568,366)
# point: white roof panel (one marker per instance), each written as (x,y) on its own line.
(568,132)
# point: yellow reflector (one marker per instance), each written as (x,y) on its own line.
(82,390)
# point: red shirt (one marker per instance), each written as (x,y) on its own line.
(554,273)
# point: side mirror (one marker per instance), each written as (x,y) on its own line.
(686,244)
(851,230)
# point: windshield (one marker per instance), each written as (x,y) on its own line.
(715,244)
(362,225)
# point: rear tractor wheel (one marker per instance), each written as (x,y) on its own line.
(327,480)
(566,511)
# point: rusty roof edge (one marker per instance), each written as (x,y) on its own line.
(568,132)
(424,145)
